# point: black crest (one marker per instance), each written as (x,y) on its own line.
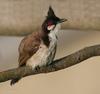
(50,13)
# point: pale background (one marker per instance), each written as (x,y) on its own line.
(24,16)
(83,78)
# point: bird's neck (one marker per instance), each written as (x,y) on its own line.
(45,38)
(49,36)
(53,33)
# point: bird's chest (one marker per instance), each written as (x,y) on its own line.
(41,56)
(37,58)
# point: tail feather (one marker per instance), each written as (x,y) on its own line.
(13,81)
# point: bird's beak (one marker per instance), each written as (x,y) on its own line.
(62,20)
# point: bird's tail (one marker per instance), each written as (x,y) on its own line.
(13,81)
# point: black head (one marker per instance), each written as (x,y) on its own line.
(51,20)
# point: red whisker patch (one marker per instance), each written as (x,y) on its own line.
(50,23)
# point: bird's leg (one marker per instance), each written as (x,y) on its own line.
(37,68)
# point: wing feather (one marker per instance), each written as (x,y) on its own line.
(28,47)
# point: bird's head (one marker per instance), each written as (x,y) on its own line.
(52,21)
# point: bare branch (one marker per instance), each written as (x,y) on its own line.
(59,64)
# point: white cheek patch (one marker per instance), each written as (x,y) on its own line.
(51,27)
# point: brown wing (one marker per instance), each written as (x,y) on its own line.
(28,47)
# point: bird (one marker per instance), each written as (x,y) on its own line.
(39,48)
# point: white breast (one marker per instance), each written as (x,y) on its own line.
(38,59)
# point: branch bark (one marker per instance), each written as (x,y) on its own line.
(56,65)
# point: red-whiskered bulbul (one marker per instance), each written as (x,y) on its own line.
(39,48)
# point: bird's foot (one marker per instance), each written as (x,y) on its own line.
(37,68)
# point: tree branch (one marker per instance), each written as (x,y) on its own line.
(56,65)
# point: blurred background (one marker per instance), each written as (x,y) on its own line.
(20,17)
